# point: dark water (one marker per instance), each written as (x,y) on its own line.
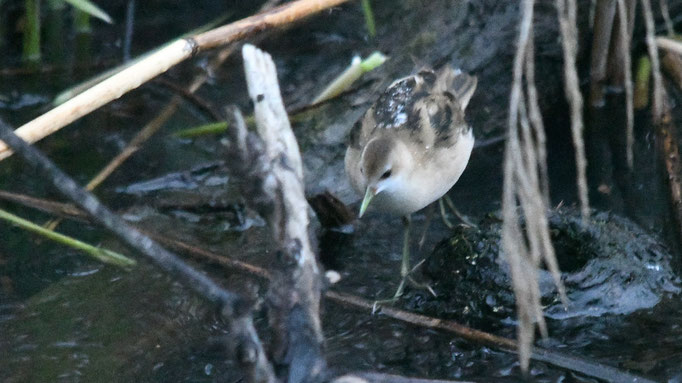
(64,317)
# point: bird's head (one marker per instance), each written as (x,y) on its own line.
(384,164)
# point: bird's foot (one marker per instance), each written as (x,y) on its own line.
(401,288)
(451,206)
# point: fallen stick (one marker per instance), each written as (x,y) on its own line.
(159,62)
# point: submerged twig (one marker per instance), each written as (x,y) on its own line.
(191,97)
(157,63)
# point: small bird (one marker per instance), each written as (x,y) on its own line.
(411,147)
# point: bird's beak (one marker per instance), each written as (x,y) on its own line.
(369,194)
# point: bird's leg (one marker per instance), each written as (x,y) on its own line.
(427,223)
(443,214)
(404,267)
(454,211)
(405,270)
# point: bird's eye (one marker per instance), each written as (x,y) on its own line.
(386,174)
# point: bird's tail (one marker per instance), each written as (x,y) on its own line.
(460,84)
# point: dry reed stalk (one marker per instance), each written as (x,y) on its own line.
(567,10)
(526,247)
(159,62)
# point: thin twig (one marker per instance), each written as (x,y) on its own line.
(55,208)
(191,97)
(160,61)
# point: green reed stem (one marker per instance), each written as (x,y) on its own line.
(103,255)
(81,21)
(32,31)
(369,18)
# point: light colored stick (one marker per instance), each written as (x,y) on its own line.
(104,92)
(159,62)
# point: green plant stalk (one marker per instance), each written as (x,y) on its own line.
(221,127)
(641,93)
(202,130)
(369,18)
(54,48)
(81,21)
(3,38)
(32,31)
(343,81)
(103,255)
